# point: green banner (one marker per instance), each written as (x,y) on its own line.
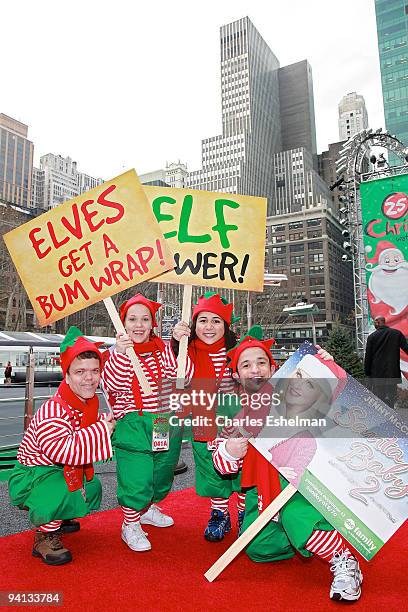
(340,516)
(384,206)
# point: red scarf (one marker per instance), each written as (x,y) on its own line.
(206,380)
(155,346)
(257,471)
(74,474)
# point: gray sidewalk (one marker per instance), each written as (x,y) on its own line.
(13,520)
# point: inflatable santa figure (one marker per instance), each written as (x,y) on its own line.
(388,289)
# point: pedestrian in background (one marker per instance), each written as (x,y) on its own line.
(7,373)
(382,360)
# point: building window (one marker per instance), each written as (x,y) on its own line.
(293,248)
(279,261)
(315,257)
(278,228)
(279,250)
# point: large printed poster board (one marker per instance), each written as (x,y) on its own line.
(355,460)
(218,239)
(89,248)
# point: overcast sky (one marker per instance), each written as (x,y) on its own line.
(123,84)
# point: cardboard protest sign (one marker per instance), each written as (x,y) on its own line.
(354,466)
(384,207)
(89,248)
(218,239)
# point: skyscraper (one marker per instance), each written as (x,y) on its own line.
(352,115)
(16,162)
(240,160)
(296,100)
(392,30)
(265,110)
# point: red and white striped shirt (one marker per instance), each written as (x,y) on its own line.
(54,438)
(118,374)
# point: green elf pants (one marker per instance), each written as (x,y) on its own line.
(209,483)
(43,490)
(280,540)
(144,476)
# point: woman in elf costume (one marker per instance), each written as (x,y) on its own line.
(210,338)
(298,526)
(54,477)
(147,448)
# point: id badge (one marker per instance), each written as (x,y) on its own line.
(161,433)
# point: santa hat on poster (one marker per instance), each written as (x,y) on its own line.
(382,249)
(326,371)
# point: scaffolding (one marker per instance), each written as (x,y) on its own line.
(353,168)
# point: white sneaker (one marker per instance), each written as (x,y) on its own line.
(135,537)
(347,578)
(154,516)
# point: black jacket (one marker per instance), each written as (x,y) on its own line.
(382,357)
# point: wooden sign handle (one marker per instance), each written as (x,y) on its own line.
(248,535)
(120,329)
(183,344)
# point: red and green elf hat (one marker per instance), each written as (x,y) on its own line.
(73,344)
(213,302)
(153,307)
(252,339)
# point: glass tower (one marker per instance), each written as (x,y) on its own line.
(392,29)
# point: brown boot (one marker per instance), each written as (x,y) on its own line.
(49,547)
(69,526)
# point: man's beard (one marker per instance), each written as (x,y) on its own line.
(390,288)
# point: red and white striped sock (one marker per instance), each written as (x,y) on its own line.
(240,502)
(219,503)
(325,543)
(51,526)
(130,515)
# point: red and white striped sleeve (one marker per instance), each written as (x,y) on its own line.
(58,441)
(117,372)
(225,463)
(170,364)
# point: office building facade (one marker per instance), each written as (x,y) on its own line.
(307,247)
(16,162)
(58,180)
(352,115)
(173,175)
(392,31)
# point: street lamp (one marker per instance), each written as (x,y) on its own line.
(302,308)
(270,280)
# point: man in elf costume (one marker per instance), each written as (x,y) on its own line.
(54,477)
(298,527)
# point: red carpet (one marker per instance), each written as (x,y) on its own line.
(106,575)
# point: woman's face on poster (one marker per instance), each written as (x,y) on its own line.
(302,391)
